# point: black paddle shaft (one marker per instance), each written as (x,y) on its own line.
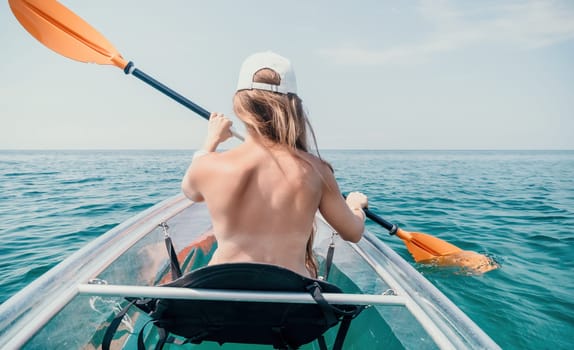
(202,112)
(392,228)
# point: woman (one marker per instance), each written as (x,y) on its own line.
(263,194)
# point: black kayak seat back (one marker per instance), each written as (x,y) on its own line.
(282,325)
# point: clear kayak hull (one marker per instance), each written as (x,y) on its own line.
(56,312)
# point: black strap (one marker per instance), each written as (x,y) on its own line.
(342,332)
(327,308)
(109,335)
(329,260)
(322,343)
(163,337)
(174,263)
(329,313)
(279,342)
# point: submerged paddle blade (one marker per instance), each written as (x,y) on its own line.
(427,249)
(64,32)
(467,260)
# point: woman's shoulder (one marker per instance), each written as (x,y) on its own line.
(321,166)
(212,163)
(317,161)
(232,161)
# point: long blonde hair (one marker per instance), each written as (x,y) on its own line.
(279,118)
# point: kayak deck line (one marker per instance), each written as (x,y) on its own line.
(236,295)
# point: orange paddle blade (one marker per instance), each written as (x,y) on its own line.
(63,31)
(425,247)
(428,249)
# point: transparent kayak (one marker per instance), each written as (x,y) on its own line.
(72,305)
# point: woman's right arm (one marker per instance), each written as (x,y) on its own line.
(345,216)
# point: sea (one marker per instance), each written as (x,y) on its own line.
(516,207)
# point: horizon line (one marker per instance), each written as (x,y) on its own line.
(320,150)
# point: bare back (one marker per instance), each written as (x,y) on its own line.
(262,202)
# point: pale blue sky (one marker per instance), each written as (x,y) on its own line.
(373,74)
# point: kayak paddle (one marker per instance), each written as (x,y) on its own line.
(428,249)
(64,32)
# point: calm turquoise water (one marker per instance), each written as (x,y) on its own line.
(515,206)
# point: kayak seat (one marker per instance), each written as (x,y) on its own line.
(282,325)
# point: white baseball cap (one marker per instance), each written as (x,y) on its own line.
(270,60)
